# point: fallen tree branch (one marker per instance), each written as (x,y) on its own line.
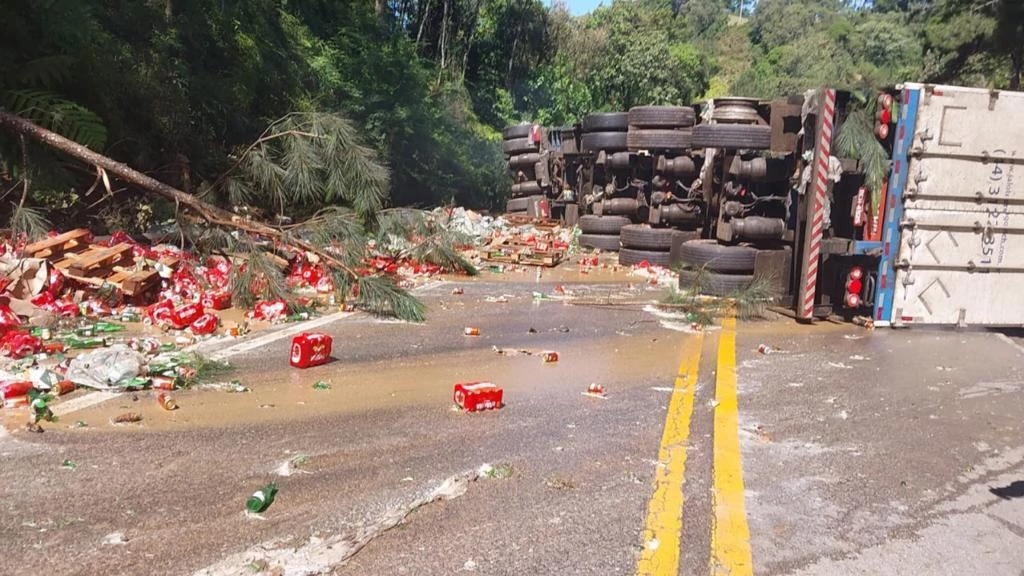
(211,214)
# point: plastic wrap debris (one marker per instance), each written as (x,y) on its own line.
(655,275)
(107,368)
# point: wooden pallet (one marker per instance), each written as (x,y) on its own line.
(71,241)
(541,223)
(514,252)
(96,261)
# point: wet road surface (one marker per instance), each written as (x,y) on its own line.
(843,452)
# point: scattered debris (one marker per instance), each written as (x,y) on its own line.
(858,357)
(549,356)
(114,539)
(321,385)
(560,483)
(323,553)
(127,418)
(864,321)
(500,472)
(69,464)
(458,291)
(765,349)
(471,331)
(595,391)
(840,365)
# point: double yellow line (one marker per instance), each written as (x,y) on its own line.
(730,536)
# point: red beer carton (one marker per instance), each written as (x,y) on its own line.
(216,300)
(310,349)
(475,396)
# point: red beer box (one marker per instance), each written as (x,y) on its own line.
(474,396)
(310,349)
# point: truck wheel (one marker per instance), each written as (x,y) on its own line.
(644,237)
(718,257)
(714,284)
(680,237)
(517,205)
(740,136)
(632,257)
(606,242)
(606,122)
(607,141)
(659,139)
(523,161)
(517,131)
(518,146)
(526,189)
(591,224)
(662,117)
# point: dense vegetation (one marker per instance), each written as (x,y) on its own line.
(176,88)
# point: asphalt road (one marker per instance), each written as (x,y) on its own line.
(859,452)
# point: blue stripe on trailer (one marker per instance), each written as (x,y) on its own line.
(868,247)
(894,211)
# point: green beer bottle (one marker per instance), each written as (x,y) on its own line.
(262,498)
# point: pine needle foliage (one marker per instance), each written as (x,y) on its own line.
(303,162)
(379,295)
(257,279)
(428,238)
(856,139)
(27,221)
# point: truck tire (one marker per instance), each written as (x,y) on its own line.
(523,160)
(714,284)
(517,205)
(528,188)
(607,141)
(517,131)
(662,117)
(591,224)
(717,257)
(606,122)
(739,136)
(659,139)
(632,257)
(518,146)
(644,237)
(680,237)
(606,242)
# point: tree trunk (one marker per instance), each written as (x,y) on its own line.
(380,7)
(469,40)
(208,212)
(444,32)
(512,58)
(423,22)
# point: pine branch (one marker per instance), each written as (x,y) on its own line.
(379,295)
(258,279)
(856,139)
(27,221)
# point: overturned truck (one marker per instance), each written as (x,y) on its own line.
(738,190)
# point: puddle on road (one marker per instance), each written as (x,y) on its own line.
(288,394)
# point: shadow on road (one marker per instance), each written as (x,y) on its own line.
(1012,490)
